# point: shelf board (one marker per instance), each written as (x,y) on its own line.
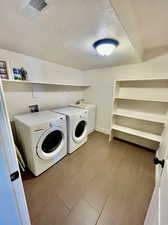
(45,83)
(137,133)
(141,115)
(143,99)
(145,79)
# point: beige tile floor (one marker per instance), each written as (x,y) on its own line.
(101,183)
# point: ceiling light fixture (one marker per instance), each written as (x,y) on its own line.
(105,46)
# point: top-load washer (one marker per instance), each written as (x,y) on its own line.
(43,138)
(77,124)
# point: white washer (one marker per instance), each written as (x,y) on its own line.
(77,123)
(43,138)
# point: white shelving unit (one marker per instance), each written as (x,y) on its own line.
(139,111)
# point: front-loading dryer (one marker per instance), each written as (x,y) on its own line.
(77,124)
(43,138)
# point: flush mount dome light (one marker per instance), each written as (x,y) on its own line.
(105,46)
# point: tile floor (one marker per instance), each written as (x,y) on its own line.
(100,184)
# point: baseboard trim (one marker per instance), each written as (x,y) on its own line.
(102,130)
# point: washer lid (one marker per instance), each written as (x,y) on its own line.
(70,111)
(33,119)
(50,143)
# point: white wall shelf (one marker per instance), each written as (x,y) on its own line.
(46,83)
(137,133)
(139,109)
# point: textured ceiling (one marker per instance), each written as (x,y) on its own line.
(146,25)
(151,19)
(65,31)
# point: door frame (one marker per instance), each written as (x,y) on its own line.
(10,158)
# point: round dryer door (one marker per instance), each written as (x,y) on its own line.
(50,143)
(80,131)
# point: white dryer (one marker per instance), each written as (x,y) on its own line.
(43,138)
(91,114)
(77,124)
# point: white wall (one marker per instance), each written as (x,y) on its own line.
(19,96)
(102,84)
